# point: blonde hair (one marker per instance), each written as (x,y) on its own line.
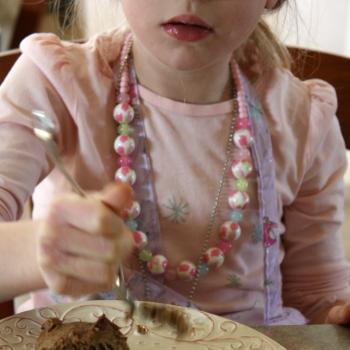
(95,16)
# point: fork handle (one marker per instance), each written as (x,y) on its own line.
(54,154)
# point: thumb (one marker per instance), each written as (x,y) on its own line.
(117,196)
(339,314)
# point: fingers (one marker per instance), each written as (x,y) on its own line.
(79,254)
(87,214)
(339,314)
(84,269)
(117,196)
(93,213)
(71,286)
(76,263)
(83,241)
(76,242)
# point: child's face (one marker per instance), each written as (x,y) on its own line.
(185,47)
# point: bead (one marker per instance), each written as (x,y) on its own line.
(203,270)
(124,145)
(269,232)
(132,224)
(123,113)
(214,257)
(241,154)
(125,129)
(241,168)
(240,94)
(124,89)
(140,239)
(242,185)
(123,98)
(126,175)
(145,255)
(225,246)
(243,123)
(124,161)
(158,264)
(242,138)
(186,270)
(133,212)
(238,199)
(236,215)
(230,231)
(124,77)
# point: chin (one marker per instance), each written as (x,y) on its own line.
(185,60)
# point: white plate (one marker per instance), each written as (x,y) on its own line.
(210,332)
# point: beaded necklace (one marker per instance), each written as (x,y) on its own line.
(238,144)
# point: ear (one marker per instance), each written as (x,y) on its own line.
(271,4)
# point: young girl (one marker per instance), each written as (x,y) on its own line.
(236,167)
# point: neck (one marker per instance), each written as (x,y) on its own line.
(207,85)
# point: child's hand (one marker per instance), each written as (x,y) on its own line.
(83,240)
(339,314)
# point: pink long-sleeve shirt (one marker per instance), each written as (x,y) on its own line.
(74,83)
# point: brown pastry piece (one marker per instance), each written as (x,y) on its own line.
(101,335)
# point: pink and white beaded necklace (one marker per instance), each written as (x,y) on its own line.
(238,144)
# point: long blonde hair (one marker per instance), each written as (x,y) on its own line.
(94,16)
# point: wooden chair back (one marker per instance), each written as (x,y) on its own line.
(7,60)
(332,68)
(29,18)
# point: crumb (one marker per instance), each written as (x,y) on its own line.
(142,329)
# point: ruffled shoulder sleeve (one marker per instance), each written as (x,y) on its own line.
(323,122)
(57,56)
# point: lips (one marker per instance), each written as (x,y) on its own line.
(187,28)
(189,20)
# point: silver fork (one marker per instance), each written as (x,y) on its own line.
(45,130)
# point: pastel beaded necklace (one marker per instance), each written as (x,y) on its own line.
(237,157)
